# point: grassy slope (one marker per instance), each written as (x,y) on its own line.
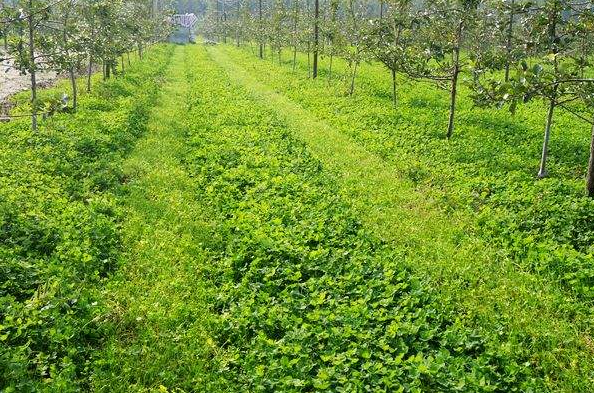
(492,290)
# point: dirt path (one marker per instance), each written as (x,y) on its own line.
(12,81)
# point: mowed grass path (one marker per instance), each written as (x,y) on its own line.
(159,320)
(490,290)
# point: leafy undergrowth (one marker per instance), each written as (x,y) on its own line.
(304,297)
(487,169)
(492,291)
(59,228)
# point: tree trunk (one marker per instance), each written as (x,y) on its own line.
(237,30)
(107,69)
(128,55)
(74,88)
(308,59)
(224,23)
(394,87)
(32,70)
(508,45)
(295,21)
(542,173)
(455,74)
(330,66)
(590,177)
(353,76)
(316,38)
(89,73)
(123,69)
(260,29)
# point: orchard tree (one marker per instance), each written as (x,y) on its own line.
(63,44)
(389,37)
(27,18)
(438,55)
(554,70)
(356,26)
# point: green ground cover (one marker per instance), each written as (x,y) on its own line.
(59,231)
(213,222)
(445,233)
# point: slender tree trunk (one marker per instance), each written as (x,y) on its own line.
(508,45)
(128,55)
(104,70)
(542,173)
(353,76)
(355,60)
(590,177)
(295,21)
(140,50)
(308,58)
(330,65)
(237,30)
(316,38)
(552,27)
(455,75)
(89,73)
(107,69)
(224,23)
(123,69)
(74,88)
(394,87)
(32,69)
(260,32)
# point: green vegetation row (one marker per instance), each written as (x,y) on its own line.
(420,197)
(546,225)
(303,297)
(59,228)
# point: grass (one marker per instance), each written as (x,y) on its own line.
(441,237)
(59,229)
(265,232)
(157,299)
